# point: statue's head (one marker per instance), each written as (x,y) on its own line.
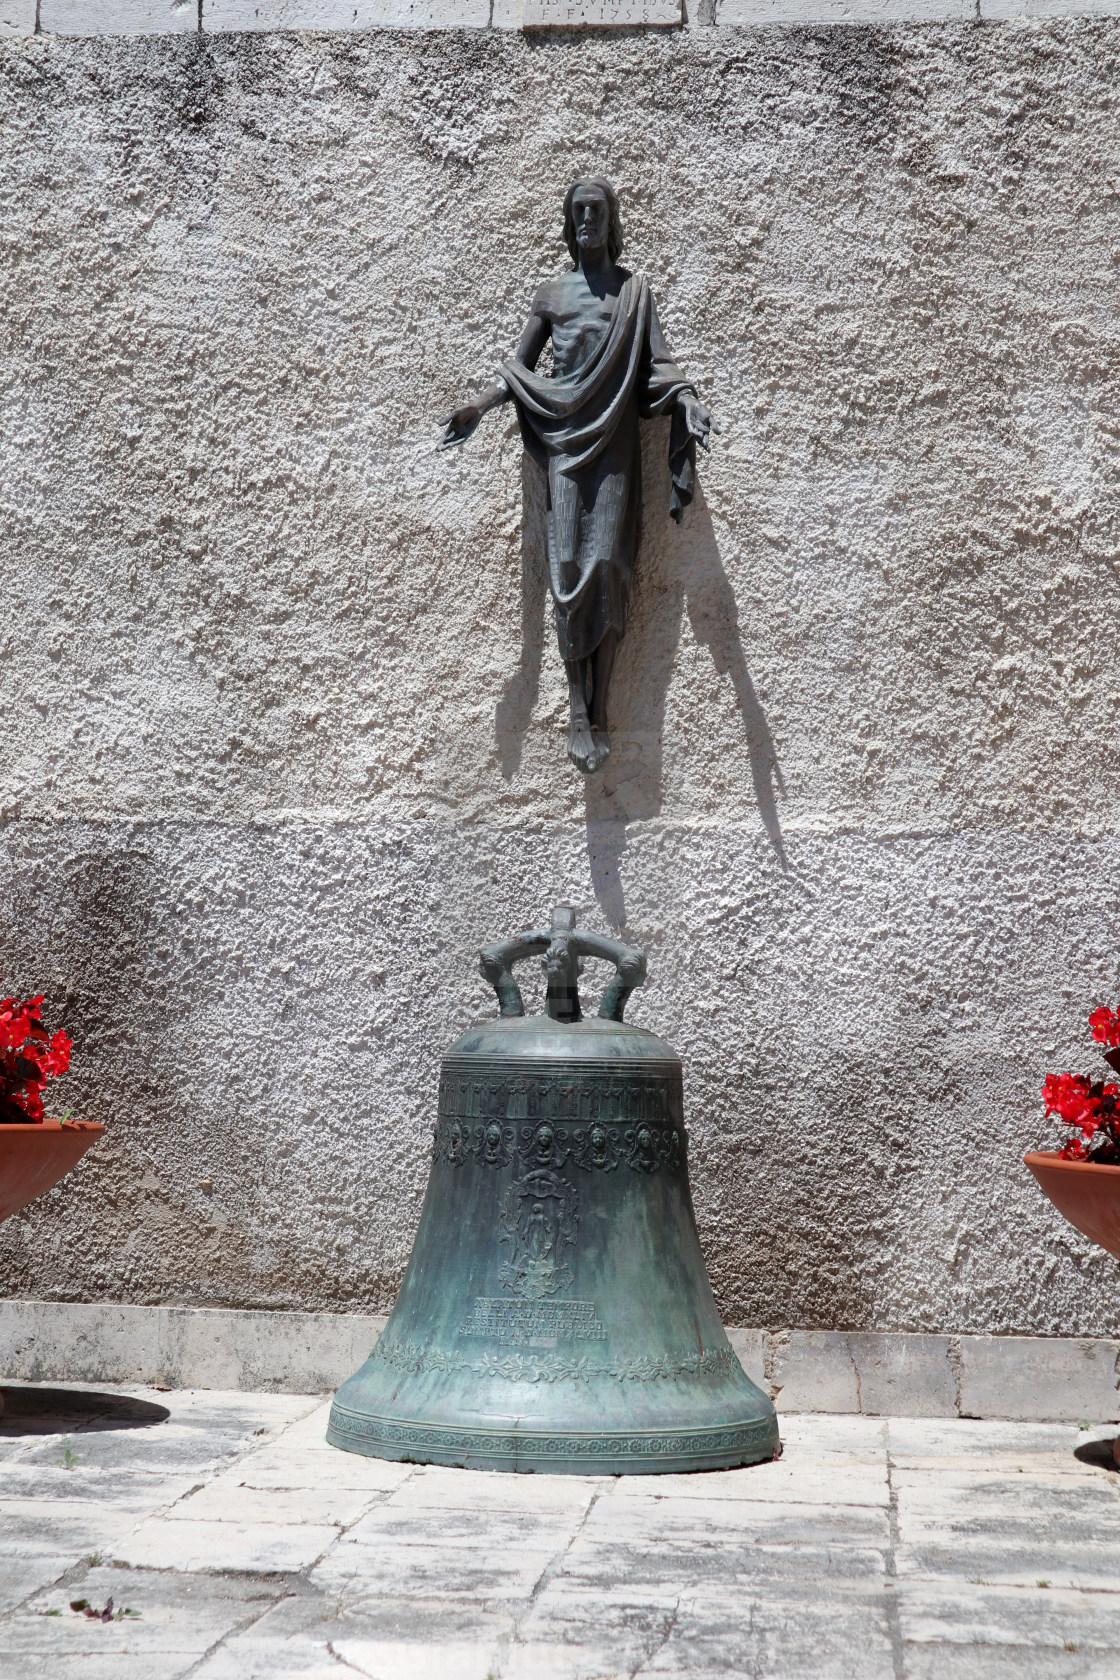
(592,219)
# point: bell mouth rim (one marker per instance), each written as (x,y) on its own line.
(559,1449)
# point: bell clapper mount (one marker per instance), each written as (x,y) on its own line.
(562,945)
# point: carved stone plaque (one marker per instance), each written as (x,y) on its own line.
(533,1323)
(601,14)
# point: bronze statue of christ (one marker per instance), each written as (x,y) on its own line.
(611,366)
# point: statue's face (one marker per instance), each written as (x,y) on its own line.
(590,218)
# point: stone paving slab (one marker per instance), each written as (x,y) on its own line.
(402,1639)
(179,1622)
(900,1548)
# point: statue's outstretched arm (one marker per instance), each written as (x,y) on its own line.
(459,426)
(695,414)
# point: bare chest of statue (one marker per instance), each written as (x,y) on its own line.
(579,320)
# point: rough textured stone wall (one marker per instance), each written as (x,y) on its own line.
(283,715)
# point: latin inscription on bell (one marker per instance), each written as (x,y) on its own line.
(533,1323)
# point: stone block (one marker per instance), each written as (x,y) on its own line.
(987,1444)
(178,1624)
(818,1479)
(749,1347)
(31,1573)
(812,1371)
(305,1353)
(312,1467)
(751,13)
(17,17)
(118,17)
(449,1490)
(1038,1377)
(949,1613)
(602,14)
(228,1499)
(187,1347)
(442,1569)
(237,16)
(904,1376)
(78,1341)
(999,11)
(260,1548)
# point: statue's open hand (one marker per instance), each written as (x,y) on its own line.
(697,419)
(459,426)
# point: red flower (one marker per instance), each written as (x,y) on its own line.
(1070,1095)
(1090,1108)
(29,1056)
(1105,1025)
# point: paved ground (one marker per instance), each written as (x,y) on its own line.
(253,1551)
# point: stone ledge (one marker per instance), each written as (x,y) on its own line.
(183,1347)
(174,17)
(877,1374)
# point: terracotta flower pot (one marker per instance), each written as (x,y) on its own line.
(1087,1194)
(32,1158)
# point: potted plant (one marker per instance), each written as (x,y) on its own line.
(1082,1178)
(34,1152)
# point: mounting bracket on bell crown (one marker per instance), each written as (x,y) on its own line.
(562,948)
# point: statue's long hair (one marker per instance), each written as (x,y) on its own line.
(614,219)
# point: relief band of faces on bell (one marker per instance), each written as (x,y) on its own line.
(533,1323)
(594,14)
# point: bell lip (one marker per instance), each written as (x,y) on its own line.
(672,1449)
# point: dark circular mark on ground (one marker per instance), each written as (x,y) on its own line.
(72,1411)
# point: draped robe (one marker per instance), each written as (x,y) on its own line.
(581,427)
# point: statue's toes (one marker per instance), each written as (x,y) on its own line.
(600,750)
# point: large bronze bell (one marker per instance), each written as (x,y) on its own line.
(556,1314)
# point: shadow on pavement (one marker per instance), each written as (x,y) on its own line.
(1102,1453)
(72,1411)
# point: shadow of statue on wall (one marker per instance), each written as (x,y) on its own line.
(515,708)
(680,571)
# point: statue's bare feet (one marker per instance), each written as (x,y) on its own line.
(600,750)
(581,745)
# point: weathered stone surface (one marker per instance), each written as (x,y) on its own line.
(748,13)
(1032,1377)
(240,15)
(934,1444)
(179,1620)
(295,1353)
(282,705)
(812,1371)
(994,10)
(17,17)
(460,1574)
(908,1376)
(600,14)
(79,1341)
(118,17)
(267,1548)
(750,1350)
(834,1371)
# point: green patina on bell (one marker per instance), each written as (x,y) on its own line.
(556,1314)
